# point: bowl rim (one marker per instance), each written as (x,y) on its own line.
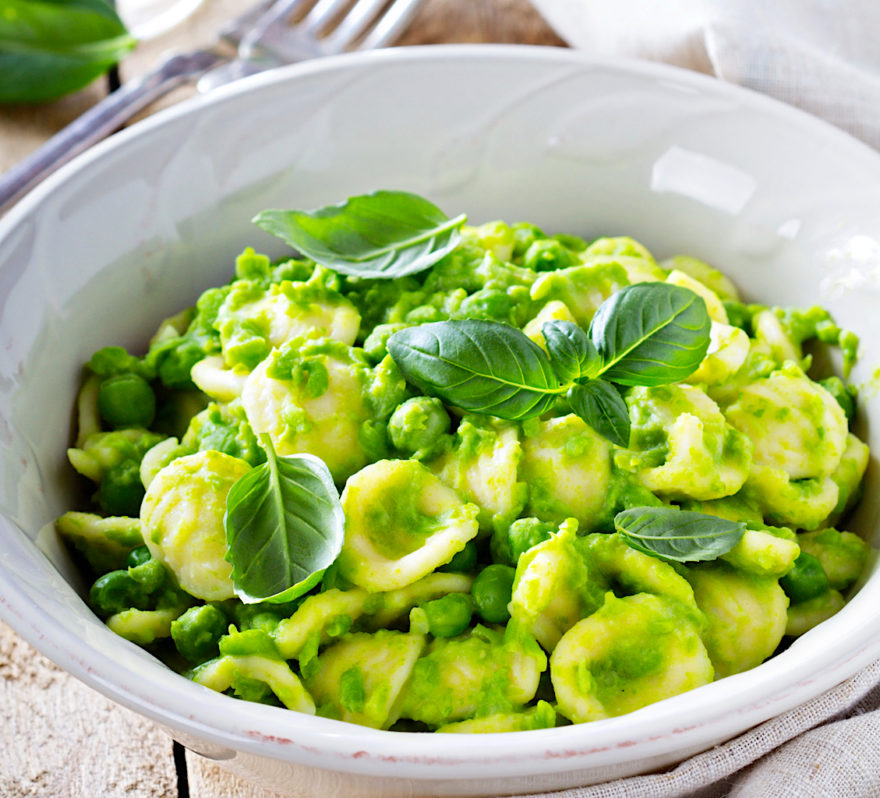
(330,744)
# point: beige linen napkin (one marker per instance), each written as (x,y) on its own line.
(827,748)
(822,56)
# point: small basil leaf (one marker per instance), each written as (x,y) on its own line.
(572,353)
(481,366)
(49,48)
(380,235)
(678,535)
(651,334)
(284,527)
(599,404)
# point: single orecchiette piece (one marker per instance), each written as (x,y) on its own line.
(728,350)
(226,671)
(636,572)
(802,503)
(254,319)
(144,626)
(746,615)
(401,522)
(843,554)
(713,304)
(313,617)
(182,519)
(632,652)
(482,468)
(682,446)
(794,424)
(581,288)
(310,398)
(567,467)
(360,678)
(213,377)
(555,587)
(474,675)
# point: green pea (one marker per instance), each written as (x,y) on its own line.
(115,592)
(463,562)
(525,533)
(137,557)
(524,235)
(126,400)
(150,575)
(806,580)
(491,592)
(417,424)
(547,254)
(448,616)
(122,491)
(197,633)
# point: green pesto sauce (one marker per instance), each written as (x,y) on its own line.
(398,528)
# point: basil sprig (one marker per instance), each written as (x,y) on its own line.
(651,334)
(481,366)
(646,334)
(284,527)
(49,48)
(380,235)
(678,535)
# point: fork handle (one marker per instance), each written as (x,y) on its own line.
(101,120)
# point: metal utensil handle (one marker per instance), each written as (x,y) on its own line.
(101,120)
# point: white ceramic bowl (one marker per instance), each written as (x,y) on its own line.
(136,228)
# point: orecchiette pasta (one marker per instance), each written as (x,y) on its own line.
(485,582)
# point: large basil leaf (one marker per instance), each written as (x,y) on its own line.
(284,527)
(481,366)
(381,235)
(49,48)
(651,334)
(572,353)
(599,404)
(678,535)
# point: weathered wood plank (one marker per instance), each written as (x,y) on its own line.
(207,779)
(64,740)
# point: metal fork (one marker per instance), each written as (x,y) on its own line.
(258,40)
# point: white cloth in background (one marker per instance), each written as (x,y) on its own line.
(822,56)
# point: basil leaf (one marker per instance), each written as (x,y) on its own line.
(651,334)
(599,404)
(571,351)
(49,48)
(481,366)
(284,527)
(381,235)
(678,535)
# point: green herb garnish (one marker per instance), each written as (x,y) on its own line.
(284,527)
(380,235)
(646,334)
(49,48)
(678,535)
